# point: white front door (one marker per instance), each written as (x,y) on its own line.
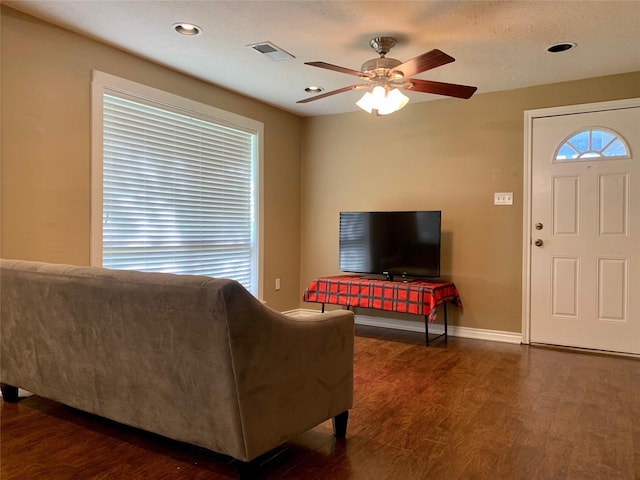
(585,230)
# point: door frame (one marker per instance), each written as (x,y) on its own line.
(529,116)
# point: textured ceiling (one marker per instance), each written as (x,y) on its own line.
(498,45)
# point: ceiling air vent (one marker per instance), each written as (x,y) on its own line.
(272,51)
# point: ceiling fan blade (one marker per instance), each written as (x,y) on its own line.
(332,92)
(441,88)
(424,62)
(336,68)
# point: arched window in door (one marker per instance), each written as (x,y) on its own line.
(592,143)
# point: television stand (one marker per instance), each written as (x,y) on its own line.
(417,297)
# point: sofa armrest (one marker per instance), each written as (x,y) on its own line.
(291,374)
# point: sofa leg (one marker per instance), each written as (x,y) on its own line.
(249,470)
(9,393)
(340,424)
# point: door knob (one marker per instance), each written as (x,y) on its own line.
(539,226)
(538,242)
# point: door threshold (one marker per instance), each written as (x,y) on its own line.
(588,351)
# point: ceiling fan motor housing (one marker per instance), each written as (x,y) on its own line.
(379,67)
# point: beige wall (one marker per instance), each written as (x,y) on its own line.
(449,155)
(445,154)
(45,88)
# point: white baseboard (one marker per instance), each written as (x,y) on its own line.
(418,326)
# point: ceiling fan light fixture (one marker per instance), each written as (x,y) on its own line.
(379,93)
(366,102)
(396,100)
(382,101)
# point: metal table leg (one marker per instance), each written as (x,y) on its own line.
(426,327)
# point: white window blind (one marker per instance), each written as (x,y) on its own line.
(178,193)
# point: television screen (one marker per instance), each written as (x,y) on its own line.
(391,243)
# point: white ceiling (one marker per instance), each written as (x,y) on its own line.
(498,45)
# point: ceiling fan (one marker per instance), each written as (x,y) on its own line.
(388,75)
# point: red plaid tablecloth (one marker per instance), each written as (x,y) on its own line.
(418,297)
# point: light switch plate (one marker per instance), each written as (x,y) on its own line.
(503,198)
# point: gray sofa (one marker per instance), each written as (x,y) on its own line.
(192,358)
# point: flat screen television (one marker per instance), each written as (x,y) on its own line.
(405,244)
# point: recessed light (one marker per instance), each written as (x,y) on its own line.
(560,47)
(187,28)
(313,89)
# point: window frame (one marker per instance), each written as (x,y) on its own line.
(102,83)
(596,157)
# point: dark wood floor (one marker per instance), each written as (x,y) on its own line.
(465,409)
